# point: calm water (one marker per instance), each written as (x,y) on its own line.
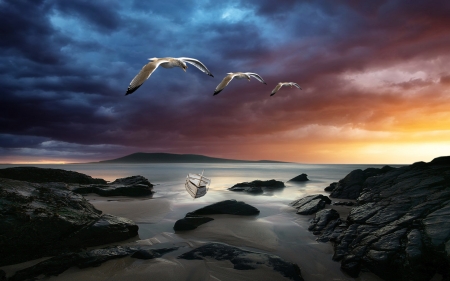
(169,178)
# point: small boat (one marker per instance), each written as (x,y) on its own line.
(197,185)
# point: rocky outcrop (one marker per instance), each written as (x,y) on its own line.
(44,219)
(40,175)
(81,183)
(231,207)
(400,229)
(90,258)
(310,204)
(300,178)
(130,186)
(350,187)
(244,260)
(257,186)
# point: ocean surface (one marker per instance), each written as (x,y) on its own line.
(277,229)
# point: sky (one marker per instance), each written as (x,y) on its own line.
(375,77)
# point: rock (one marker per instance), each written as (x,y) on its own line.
(244,260)
(322,218)
(91,258)
(350,187)
(338,203)
(40,175)
(257,186)
(310,204)
(44,219)
(400,229)
(331,187)
(300,178)
(130,186)
(147,254)
(190,222)
(230,207)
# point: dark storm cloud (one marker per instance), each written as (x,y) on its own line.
(98,14)
(65,66)
(26,31)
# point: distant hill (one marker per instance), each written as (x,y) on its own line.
(141,157)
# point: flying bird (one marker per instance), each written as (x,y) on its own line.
(281,84)
(148,69)
(237,75)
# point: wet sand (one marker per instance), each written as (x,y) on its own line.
(277,230)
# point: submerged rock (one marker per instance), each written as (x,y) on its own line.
(44,219)
(300,178)
(244,260)
(310,204)
(400,229)
(257,186)
(90,258)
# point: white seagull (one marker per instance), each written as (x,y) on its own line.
(237,75)
(148,69)
(281,84)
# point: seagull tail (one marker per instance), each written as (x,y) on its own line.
(272,94)
(217,92)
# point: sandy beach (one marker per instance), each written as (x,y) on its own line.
(277,230)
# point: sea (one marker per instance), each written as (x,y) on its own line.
(277,229)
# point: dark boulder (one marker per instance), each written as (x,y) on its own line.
(230,207)
(244,259)
(257,186)
(310,204)
(40,175)
(331,187)
(91,258)
(44,219)
(190,221)
(322,218)
(130,186)
(300,178)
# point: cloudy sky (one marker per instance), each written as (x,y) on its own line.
(375,78)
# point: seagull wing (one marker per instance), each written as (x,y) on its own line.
(143,75)
(257,77)
(276,89)
(224,83)
(296,85)
(197,64)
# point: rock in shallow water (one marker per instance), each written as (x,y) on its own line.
(244,260)
(300,178)
(44,219)
(231,207)
(257,186)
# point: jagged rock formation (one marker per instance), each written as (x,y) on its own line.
(400,229)
(44,219)
(310,204)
